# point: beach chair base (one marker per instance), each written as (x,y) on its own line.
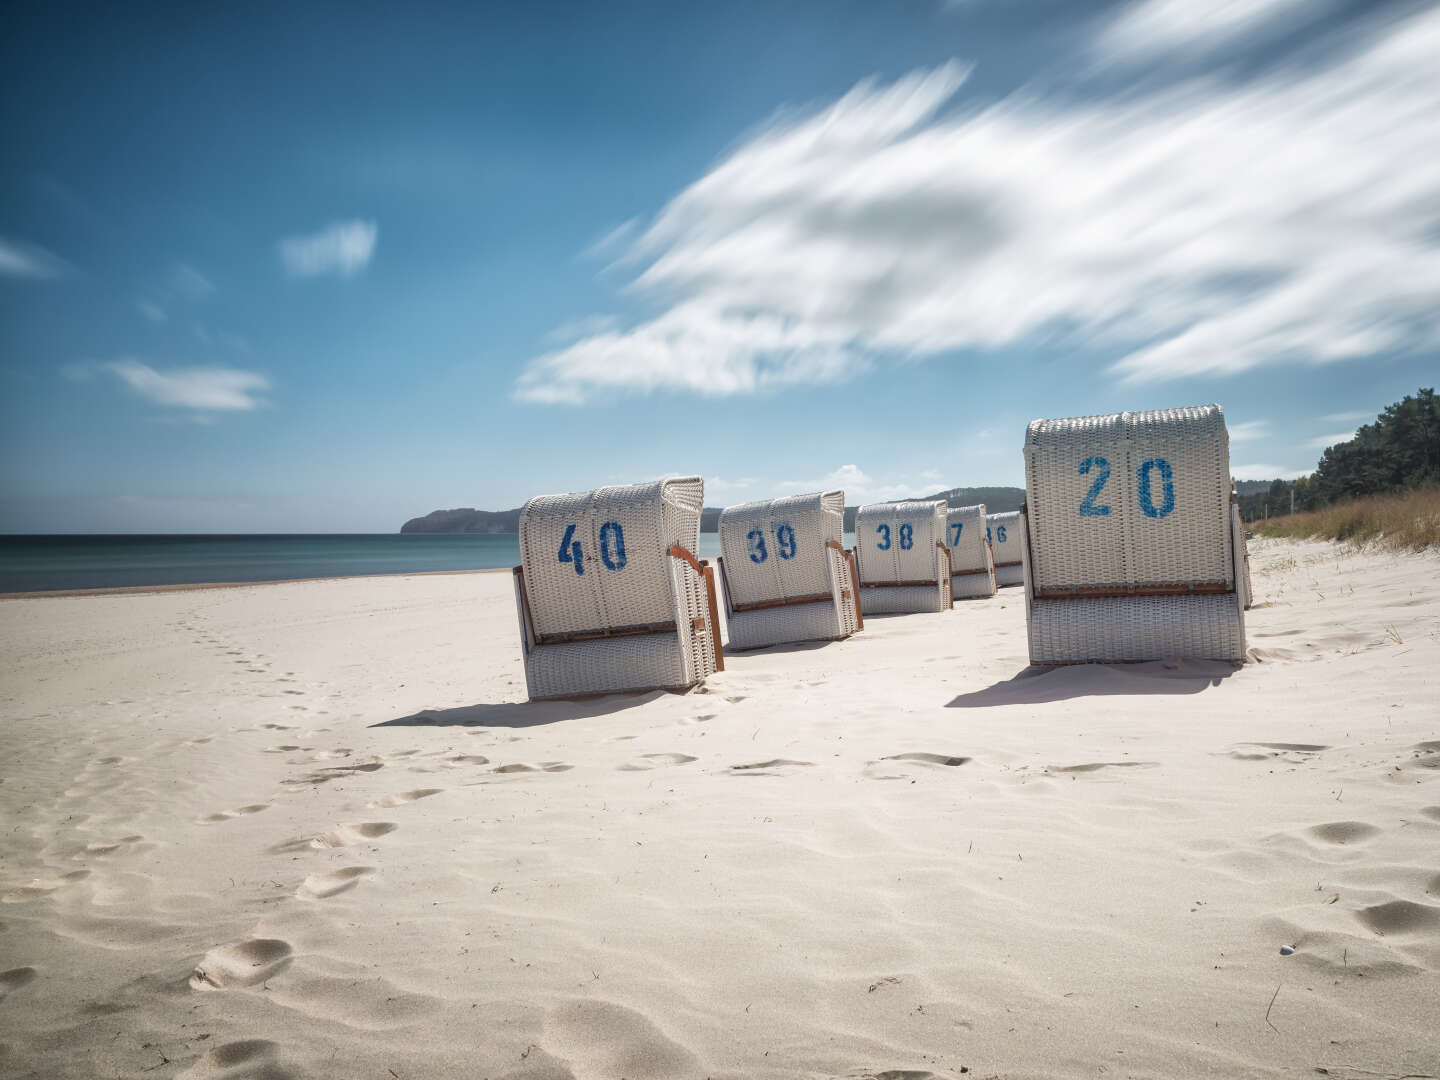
(904,599)
(1005,576)
(819,621)
(1123,629)
(973,586)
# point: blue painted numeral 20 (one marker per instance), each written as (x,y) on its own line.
(784,543)
(612,548)
(1144,494)
(907,536)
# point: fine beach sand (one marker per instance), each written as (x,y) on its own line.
(310,830)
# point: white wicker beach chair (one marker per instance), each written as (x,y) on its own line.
(610,595)
(1007,542)
(1132,548)
(972,566)
(903,559)
(784,573)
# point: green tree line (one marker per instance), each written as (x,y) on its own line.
(1398,452)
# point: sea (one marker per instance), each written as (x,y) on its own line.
(50,563)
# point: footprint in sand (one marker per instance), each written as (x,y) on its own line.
(400,798)
(39,888)
(610,1039)
(277,727)
(328,883)
(646,762)
(928,759)
(239,811)
(1432,812)
(1265,751)
(1343,832)
(254,1059)
(242,963)
(349,835)
(467,759)
(336,772)
(773,767)
(14,979)
(283,748)
(1400,917)
(543,766)
(1096,766)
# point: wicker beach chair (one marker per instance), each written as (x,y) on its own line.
(1132,548)
(1007,542)
(609,593)
(784,573)
(903,559)
(972,565)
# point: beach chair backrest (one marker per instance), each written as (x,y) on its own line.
(965,537)
(775,549)
(1006,539)
(1129,501)
(896,541)
(598,560)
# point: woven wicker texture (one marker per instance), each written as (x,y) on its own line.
(780,551)
(1134,628)
(781,625)
(905,600)
(1007,541)
(1130,503)
(902,542)
(1129,499)
(971,564)
(775,550)
(1242,556)
(599,562)
(620,574)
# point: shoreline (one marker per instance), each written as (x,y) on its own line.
(195,586)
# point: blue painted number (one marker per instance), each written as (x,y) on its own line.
(785,541)
(1088,507)
(1167,487)
(570,550)
(758,554)
(959,527)
(883,531)
(1000,532)
(907,536)
(612,546)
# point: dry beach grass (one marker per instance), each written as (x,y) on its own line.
(310,830)
(1409,521)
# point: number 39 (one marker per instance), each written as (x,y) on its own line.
(784,543)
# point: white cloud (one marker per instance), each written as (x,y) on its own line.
(214,389)
(29,261)
(1266,472)
(190,283)
(1251,429)
(344,248)
(860,487)
(1200,228)
(154,312)
(1193,26)
(1349,417)
(1323,441)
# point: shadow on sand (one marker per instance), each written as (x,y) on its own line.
(522,714)
(784,647)
(1037,685)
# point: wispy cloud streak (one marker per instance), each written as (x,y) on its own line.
(344,248)
(1201,228)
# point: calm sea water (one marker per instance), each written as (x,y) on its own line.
(46,563)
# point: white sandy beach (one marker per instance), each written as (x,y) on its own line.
(311,830)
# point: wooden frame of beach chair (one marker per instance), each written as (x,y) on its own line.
(972,563)
(1132,548)
(1006,532)
(609,594)
(784,574)
(902,558)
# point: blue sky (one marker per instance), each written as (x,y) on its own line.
(325,267)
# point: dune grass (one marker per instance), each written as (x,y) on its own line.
(1409,521)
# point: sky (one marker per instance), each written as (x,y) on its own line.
(324,267)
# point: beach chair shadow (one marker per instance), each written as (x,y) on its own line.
(1037,685)
(523,714)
